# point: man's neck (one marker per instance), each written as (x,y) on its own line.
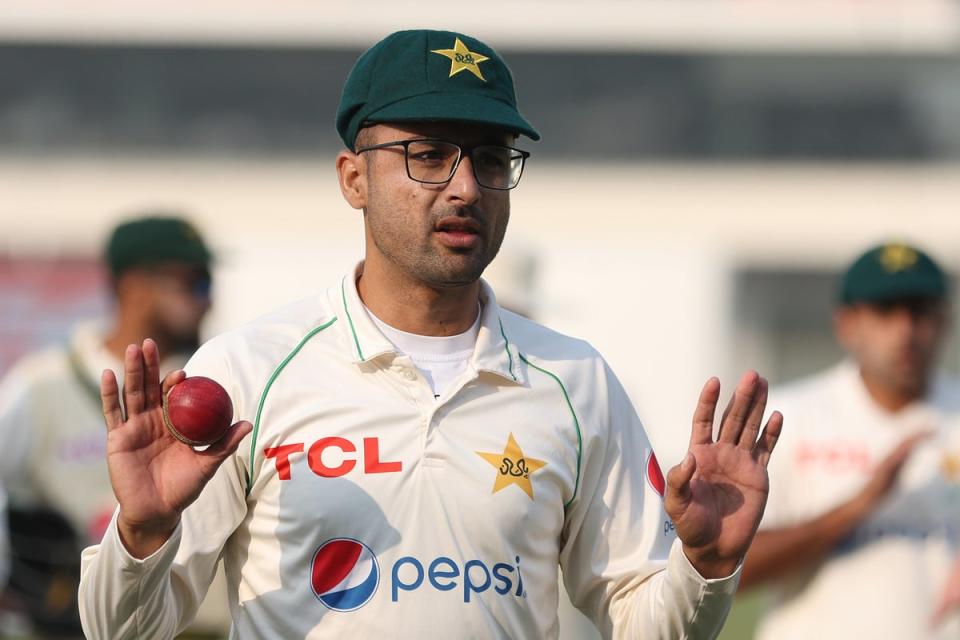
(415,307)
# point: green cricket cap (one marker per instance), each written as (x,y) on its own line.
(154,240)
(429,76)
(893,271)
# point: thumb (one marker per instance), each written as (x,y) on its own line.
(678,479)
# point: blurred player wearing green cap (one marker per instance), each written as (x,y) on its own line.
(421,461)
(863,521)
(53,458)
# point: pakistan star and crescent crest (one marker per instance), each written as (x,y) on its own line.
(512,467)
(462,59)
(898,257)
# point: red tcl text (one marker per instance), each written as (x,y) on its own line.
(370,457)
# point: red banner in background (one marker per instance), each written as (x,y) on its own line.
(41,298)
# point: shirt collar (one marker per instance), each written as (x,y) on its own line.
(88,356)
(494,353)
(89,352)
(367,342)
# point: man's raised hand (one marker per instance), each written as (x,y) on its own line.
(717,494)
(154,475)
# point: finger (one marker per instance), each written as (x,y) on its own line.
(902,451)
(702,432)
(172,379)
(732,425)
(912,441)
(151,374)
(110,399)
(726,412)
(897,460)
(900,455)
(678,481)
(748,437)
(133,398)
(768,439)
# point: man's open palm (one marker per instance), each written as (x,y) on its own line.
(717,494)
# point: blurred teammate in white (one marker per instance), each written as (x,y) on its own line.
(54,450)
(862,524)
(422,461)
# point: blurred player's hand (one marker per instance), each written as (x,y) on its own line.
(949,598)
(885,474)
(716,496)
(154,475)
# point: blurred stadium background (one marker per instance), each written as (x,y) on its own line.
(707,166)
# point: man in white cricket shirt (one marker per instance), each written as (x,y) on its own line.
(420,461)
(862,524)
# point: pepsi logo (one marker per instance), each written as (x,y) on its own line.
(344,574)
(655,475)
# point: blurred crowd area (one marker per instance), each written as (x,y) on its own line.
(693,200)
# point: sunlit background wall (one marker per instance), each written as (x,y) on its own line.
(707,166)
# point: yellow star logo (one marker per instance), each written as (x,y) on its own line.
(950,466)
(462,59)
(897,257)
(512,467)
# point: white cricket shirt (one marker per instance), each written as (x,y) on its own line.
(883,581)
(362,507)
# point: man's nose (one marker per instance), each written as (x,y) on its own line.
(463,185)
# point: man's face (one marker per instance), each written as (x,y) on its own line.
(442,235)
(895,343)
(178,298)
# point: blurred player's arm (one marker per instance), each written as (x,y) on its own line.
(159,555)
(19,402)
(17,424)
(778,551)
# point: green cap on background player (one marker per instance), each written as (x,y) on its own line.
(422,75)
(891,272)
(154,240)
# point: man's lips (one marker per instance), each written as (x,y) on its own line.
(458,233)
(458,224)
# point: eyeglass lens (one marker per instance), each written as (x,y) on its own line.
(434,161)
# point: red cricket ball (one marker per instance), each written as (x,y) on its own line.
(197,411)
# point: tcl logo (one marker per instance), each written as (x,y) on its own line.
(344,451)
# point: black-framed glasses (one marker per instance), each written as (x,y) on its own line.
(431,161)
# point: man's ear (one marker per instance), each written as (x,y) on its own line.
(352,175)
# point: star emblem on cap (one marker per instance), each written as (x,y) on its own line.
(462,59)
(512,467)
(897,257)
